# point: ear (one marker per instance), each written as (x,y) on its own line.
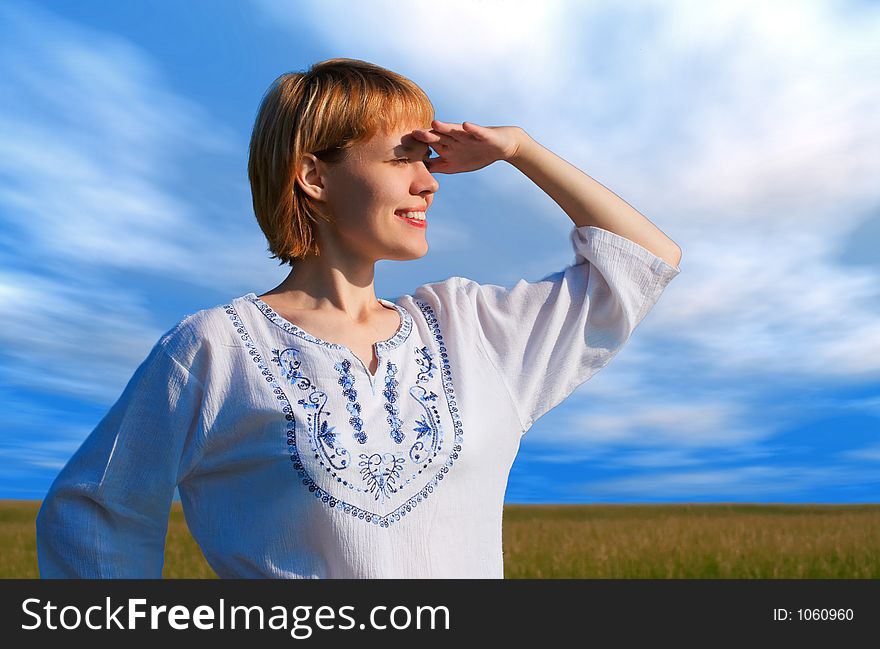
(309,176)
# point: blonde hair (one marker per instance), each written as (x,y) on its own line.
(324,111)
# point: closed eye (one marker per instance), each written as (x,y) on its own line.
(425,159)
(405,160)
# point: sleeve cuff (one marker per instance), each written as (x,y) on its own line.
(590,235)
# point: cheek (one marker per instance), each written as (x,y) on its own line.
(348,198)
(365,200)
(376,200)
(365,208)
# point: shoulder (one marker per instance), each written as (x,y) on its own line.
(437,294)
(198,335)
(444,298)
(463,295)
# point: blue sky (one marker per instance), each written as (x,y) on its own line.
(748,132)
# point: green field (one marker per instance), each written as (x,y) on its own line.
(600,541)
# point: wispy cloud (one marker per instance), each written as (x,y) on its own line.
(92,139)
(66,339)
(702,424)
(746,131)
(866,454)
(758,482)
(94,143)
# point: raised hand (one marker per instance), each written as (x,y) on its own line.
(468,146)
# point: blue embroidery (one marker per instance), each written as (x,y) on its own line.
(391,407)
(429,423)
(380,472)
(290,357)
(401,335)
(346,380)
(323,437)
(425,360)
(321,433)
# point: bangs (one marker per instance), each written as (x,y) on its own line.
(356,107)
(406,110)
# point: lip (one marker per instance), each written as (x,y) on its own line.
(415,224)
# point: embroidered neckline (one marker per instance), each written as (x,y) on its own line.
(327,498)
(397,339)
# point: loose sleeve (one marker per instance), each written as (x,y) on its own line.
(106,513)
(546,338)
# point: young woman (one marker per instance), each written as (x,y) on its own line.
(318,431)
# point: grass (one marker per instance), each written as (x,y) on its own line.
(600,541)
(692,541)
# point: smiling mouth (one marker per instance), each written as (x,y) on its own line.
(416,219)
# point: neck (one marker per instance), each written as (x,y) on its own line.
(318,283)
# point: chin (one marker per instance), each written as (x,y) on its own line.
(410,255)
(422,252)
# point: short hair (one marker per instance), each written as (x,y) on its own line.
(324,111)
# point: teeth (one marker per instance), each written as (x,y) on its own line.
(420,216)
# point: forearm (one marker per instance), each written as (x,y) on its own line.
(587,202)
(80,535)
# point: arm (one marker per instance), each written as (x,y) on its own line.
(106,514)
(468,147)
(586,201)
(545,338)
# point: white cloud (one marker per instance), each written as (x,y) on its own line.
(697,424)
(746,131)
(93,141)
(743,130)
(760,482)
(70,339)
(662,458)
(865,454)
(86,152)
(457,45)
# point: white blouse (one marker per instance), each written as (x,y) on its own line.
(293,461)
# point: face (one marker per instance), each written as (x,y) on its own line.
(381,178)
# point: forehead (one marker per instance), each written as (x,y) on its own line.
(397,141)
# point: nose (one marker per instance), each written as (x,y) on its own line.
(424,181)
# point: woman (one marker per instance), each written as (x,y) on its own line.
(318,431)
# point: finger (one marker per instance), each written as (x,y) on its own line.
(442,127)
(434,138)
(466,131)
(437,165)
(427,136)
(474,130)
(451,130)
